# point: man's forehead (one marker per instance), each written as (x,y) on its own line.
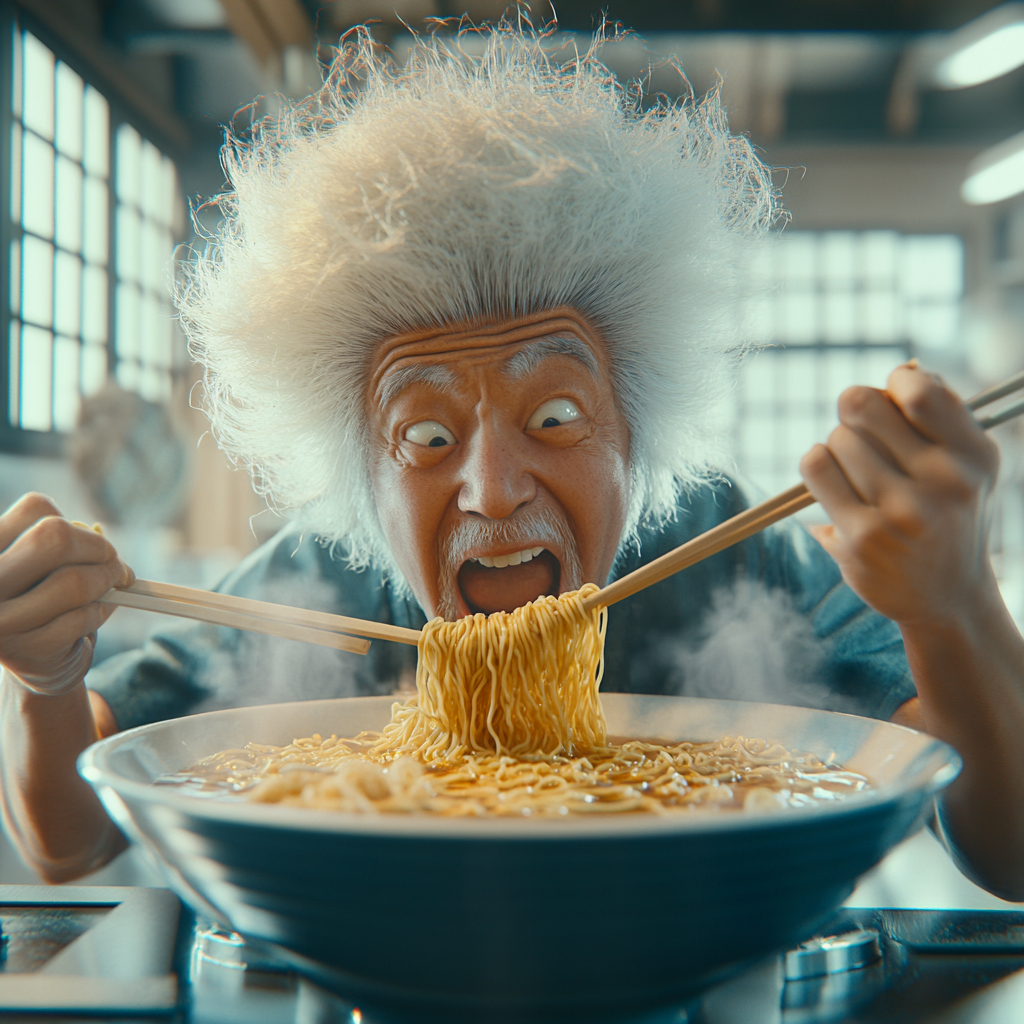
(520,347)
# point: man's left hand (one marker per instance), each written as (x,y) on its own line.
(906,479)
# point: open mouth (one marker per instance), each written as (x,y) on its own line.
(502,583)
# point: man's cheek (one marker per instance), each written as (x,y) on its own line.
(410,524)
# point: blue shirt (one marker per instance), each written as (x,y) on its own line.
(768,619)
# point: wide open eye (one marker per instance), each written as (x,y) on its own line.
(553,414)
(430,434)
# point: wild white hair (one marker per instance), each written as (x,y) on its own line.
(457,188)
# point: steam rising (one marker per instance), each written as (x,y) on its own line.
(754,645)
(266,670)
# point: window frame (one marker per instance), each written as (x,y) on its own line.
(19,440)
(745,411)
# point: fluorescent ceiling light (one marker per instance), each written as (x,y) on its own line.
(996,174)
(984,49)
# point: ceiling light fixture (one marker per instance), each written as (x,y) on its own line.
(996,174)
(984,49)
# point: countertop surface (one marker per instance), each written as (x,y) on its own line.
(931,966)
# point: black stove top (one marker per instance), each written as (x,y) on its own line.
(927,966)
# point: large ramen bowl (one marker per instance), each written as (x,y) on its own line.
(497,919)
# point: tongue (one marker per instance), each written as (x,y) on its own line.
(503,590)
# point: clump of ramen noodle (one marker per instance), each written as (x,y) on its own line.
(507,721)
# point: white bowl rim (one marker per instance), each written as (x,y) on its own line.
(93,765)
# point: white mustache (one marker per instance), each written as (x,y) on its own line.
(528,528)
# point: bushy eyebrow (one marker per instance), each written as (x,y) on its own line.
(393,384)
(529,357)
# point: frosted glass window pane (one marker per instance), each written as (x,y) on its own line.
(757,441)
(95,226)
(65,383)
(165,267)
(839,372)
(37,281)
(155,348)
(149,343)
(37,103)
(153,256)
(94,304)
(167,212)
(838,255)
(839,316)
(798,321)
(14,373)
(151,180)
(879,364)
(94,368)
(879,256)
(37,186)
(152,384)
(933,324)
(129,230)
(36,378)
(127,374)
(96,142)
(69,204)
(128,326)
(69,111)
(16,134)
(799,258)
(14,288)
(16,73)
(802,433)
(880,316)
(129,170)
(67,293)
(801,379)
(932,267)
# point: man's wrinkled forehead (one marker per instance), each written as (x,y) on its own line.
(521,346)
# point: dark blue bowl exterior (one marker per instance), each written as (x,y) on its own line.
(495,943)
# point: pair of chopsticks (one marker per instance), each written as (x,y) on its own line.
(347,634)
(323,628)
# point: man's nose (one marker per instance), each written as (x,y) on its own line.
(496,477)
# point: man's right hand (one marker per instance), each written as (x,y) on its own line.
(52,574)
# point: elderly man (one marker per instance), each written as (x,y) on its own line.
(466,323)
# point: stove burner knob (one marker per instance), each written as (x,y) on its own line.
(833,954)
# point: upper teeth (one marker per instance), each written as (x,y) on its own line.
(516,558)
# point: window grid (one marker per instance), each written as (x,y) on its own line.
(146,193)
(61,342)
(836,308)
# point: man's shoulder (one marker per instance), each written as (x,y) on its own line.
(697,510)
(295,567)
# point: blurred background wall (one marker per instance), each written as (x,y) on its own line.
(896,127)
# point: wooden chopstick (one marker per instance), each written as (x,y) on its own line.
(236,620)
(718,538)
(755,519)
(1009,413)
(276,612)
(997,391)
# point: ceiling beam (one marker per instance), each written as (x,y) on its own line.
(268,27)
